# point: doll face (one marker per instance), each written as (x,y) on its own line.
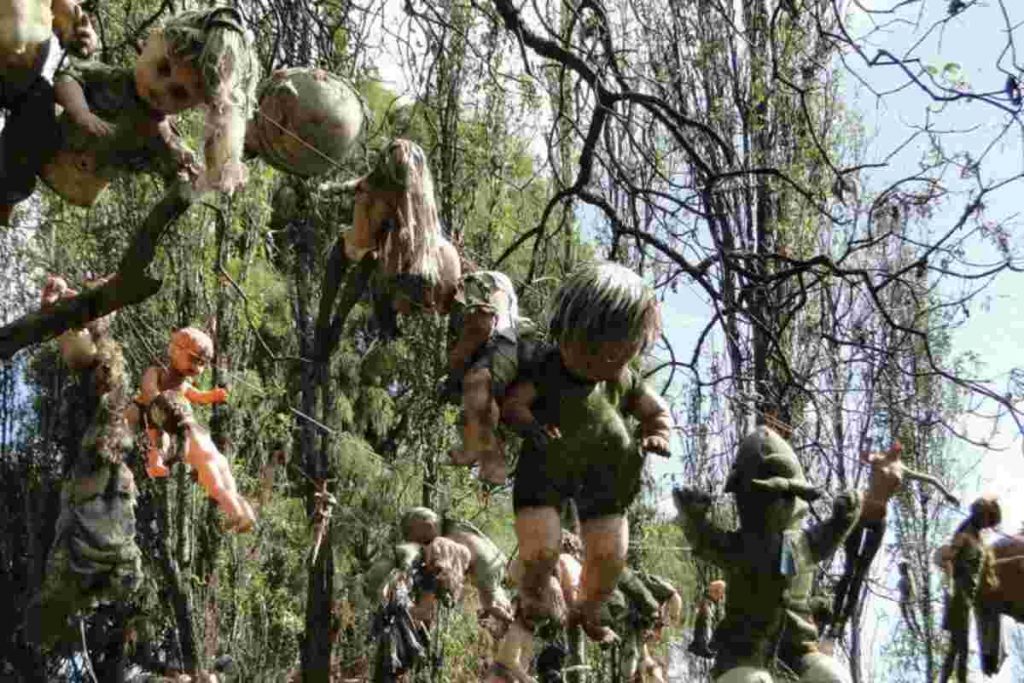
(373,209)
(598,361)
(166,83)
(716,590)
(187,360)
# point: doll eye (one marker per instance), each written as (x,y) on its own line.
(163,68)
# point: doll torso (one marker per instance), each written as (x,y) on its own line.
(886,478)
(590,415)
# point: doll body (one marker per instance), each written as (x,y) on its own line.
(485,323)
(886,478)
(638,609)
(572,403)
(167,393)
(30,135)
(706,618)
(769,563)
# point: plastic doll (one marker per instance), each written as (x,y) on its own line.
(908,599)
(196,58)
(887,475)
(969,575)
(485,323)
(704,624)
(769,562)
(167,393)
(29,135)
(572,401)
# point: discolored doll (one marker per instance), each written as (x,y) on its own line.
(29,135)
(167,396)
(573,401)
(121,114)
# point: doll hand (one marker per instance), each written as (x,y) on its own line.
(656,444)
(83,42)
(219,395)
(691,498)
(94,125)
(845,504)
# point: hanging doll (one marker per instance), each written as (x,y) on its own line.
(887,475)
(117,118)
(572,401)
(970,572)
(167,396)
(769,563)
(908,599)
(640,607)
(29,135)
(704,624)
(94,557)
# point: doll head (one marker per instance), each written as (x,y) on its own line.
(420,525)
(769,484)
(168,82)
(190,351)
(395,204)
(716,590)
(604,316)
(986,512)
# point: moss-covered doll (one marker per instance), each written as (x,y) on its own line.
(120,115)
(769,563)
(29,135)
(167,396)
(575,402)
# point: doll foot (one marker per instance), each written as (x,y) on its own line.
(157,471)
(463,458)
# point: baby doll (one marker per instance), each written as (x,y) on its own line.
(196,58)
(573,402)
(167,395)
(29,135)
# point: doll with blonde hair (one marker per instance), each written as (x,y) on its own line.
(167,395)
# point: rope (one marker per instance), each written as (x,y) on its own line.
(302,141)
(85,651)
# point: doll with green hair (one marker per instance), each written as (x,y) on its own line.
(576,402)
(117,118)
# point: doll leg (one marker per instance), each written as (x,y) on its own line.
(479,441)
(515,649)
(155,466)
(873,534)
(539,531)
(851,549)
(605,540)
(216,479)
(29,138)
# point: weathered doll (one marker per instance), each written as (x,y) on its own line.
(167,396)
(29,135)
(704,623)
(396,215)
(887,475)
(94,557)
(908,599)
(485,324)
(574,402)
(970,573)
(198,58)
(640,607)
(769,563)
(77,347)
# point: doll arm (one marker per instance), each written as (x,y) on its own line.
(655,419)
(929,479)
(825,537)
(203,398)
(476,330)
(69,94)
(709,540)
(184,157)
(516,413)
